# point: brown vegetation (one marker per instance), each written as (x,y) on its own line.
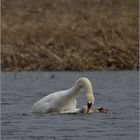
(69,35)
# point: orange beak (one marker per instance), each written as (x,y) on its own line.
(89,105)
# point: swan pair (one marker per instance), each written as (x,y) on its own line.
(65,101)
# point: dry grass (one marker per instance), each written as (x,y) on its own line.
(69,35)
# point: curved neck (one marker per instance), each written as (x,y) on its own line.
(86,84)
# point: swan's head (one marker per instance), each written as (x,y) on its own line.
(90,101)
(84,109)
(86,84)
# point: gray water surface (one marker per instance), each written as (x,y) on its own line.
(116,91)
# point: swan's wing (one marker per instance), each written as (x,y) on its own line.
(58,101)
(75,111)
(71,107)
(40,108)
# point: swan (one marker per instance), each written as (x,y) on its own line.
(65,101)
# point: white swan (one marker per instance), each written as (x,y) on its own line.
(65,101)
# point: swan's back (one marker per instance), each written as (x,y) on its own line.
(54,102)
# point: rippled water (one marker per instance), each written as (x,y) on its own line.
(116,91)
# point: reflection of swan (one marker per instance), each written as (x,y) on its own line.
(65,101)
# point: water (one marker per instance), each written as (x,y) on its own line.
(116,91)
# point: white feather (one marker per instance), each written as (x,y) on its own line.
(63,101)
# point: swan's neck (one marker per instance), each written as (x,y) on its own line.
(86,84)
(74,91)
